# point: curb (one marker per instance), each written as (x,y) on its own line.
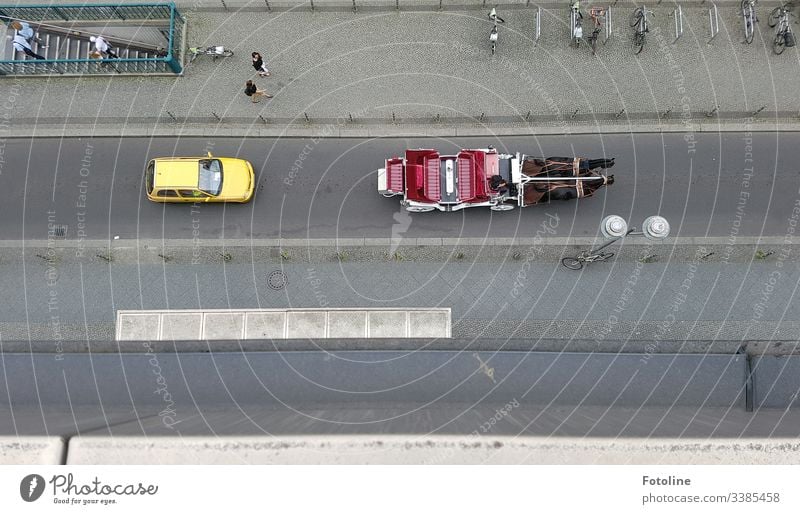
(377,242)
(381,130)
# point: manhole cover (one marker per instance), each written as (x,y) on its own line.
(277,280)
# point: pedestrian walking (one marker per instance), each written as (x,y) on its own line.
(21,45)
(24,29)
(253,92)
(258,64)
(102,46)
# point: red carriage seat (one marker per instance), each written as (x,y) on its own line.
(433,188)
(394,175)
(466,178)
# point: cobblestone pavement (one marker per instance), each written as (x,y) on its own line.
(525,298)
(420,65)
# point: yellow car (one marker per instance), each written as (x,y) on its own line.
(199,179)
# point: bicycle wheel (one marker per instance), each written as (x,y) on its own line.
(638,42)
(749,29)
(636,16)
(774,17)
(572,263)
(227,53)
(779,44)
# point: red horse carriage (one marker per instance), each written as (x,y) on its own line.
(486,178)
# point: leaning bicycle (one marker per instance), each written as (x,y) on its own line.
(750,19)
(597,14)
(575,17)
(640,24)
(493,34)
(779,17)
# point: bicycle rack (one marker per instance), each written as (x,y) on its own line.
(538,26)
(713,20)
(677,14)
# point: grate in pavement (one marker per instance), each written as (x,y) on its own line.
(58,231)
(277,280)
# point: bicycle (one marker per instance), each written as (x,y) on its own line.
(493,34)
(575,17)
(593,255)
(639,21)
(596,14)
(783,35)
(750,19)
(213,51)
(576,263)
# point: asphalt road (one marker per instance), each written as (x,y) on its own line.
(261,393)
(95,187)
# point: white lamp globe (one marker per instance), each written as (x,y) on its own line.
(614,226)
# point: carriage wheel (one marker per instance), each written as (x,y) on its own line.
(572,263)
(501,207)
(418,208)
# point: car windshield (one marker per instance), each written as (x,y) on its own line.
(210,176)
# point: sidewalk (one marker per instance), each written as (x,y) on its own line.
(433,73)
(675,303)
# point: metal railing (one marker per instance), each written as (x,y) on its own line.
(171,62)
(88,12)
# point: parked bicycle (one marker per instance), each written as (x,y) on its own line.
(575,17)
(593,255)
(596,14)
(493,34)
(783,34)
(213,51)
(750,19)
(639,22)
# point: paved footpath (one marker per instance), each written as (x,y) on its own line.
(431,71)
(522,296)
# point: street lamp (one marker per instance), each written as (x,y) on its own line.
(615,227)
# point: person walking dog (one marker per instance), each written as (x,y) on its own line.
(258,64)
(253,92)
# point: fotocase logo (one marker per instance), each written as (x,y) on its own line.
(31,487)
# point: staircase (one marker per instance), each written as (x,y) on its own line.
(141,45)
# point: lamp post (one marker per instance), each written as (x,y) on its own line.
(615,228)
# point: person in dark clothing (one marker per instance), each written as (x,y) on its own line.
(253,92)
(258,64)
(499,184)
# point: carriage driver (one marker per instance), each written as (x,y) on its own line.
(499,184)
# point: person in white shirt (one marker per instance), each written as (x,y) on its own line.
(21,45)
(102,46)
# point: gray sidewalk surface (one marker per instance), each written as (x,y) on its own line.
(531,297)
(379,71)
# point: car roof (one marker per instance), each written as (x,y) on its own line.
(176,173)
